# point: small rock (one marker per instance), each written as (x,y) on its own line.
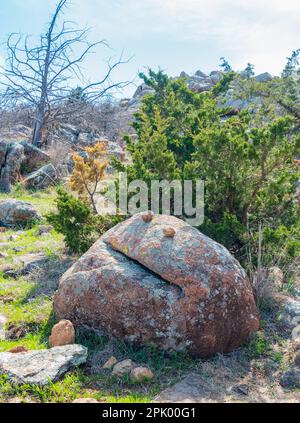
(290,311)
(290,379)
(141,374)
(123,368)
(18,249)
(15,400)
(5,299)
(32,262)
(14,212)
(241,389)
(63,333)
(4,245)
(169,232)
(10,273)
(43,366)
(192,389)
(19,349)
(148,217)
(3,320)
(297,360)
(21,232)
(45,229)
(3,255)
(276,276)
(13,238)
(110,363)
(264,77)
(296,345)
(85,401)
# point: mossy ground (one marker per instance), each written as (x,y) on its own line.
(27,302)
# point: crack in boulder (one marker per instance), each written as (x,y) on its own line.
(181,293)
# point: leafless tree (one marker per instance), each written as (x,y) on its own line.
(41,74)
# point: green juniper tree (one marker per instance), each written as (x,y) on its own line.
(246,161)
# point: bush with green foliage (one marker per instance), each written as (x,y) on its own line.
(246,160)
(77,222)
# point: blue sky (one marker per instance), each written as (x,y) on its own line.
(175,35)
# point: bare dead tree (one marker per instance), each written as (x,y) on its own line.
(41,74)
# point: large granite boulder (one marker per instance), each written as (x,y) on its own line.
(41,367)
(157,280)
(14,212)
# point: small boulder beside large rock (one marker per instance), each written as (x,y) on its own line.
(15,212)
(63,333)
(41,367)
(123,368)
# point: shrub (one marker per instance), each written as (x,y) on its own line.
(246,161)
(88,172)
(77,222)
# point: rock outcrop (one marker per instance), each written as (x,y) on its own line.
(184,292)
(17,158)
(34,157)
(11,158)
(14,212)
(200,82)
(43,366)
(42,178)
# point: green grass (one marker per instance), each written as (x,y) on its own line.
(43,200)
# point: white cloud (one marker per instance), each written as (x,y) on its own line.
(263,32)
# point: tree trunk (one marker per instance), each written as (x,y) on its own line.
(38,126)
(245,214)
(95,211)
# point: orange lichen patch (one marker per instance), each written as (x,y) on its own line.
(169,232)
(19,349)
(113,242)
(297,162)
